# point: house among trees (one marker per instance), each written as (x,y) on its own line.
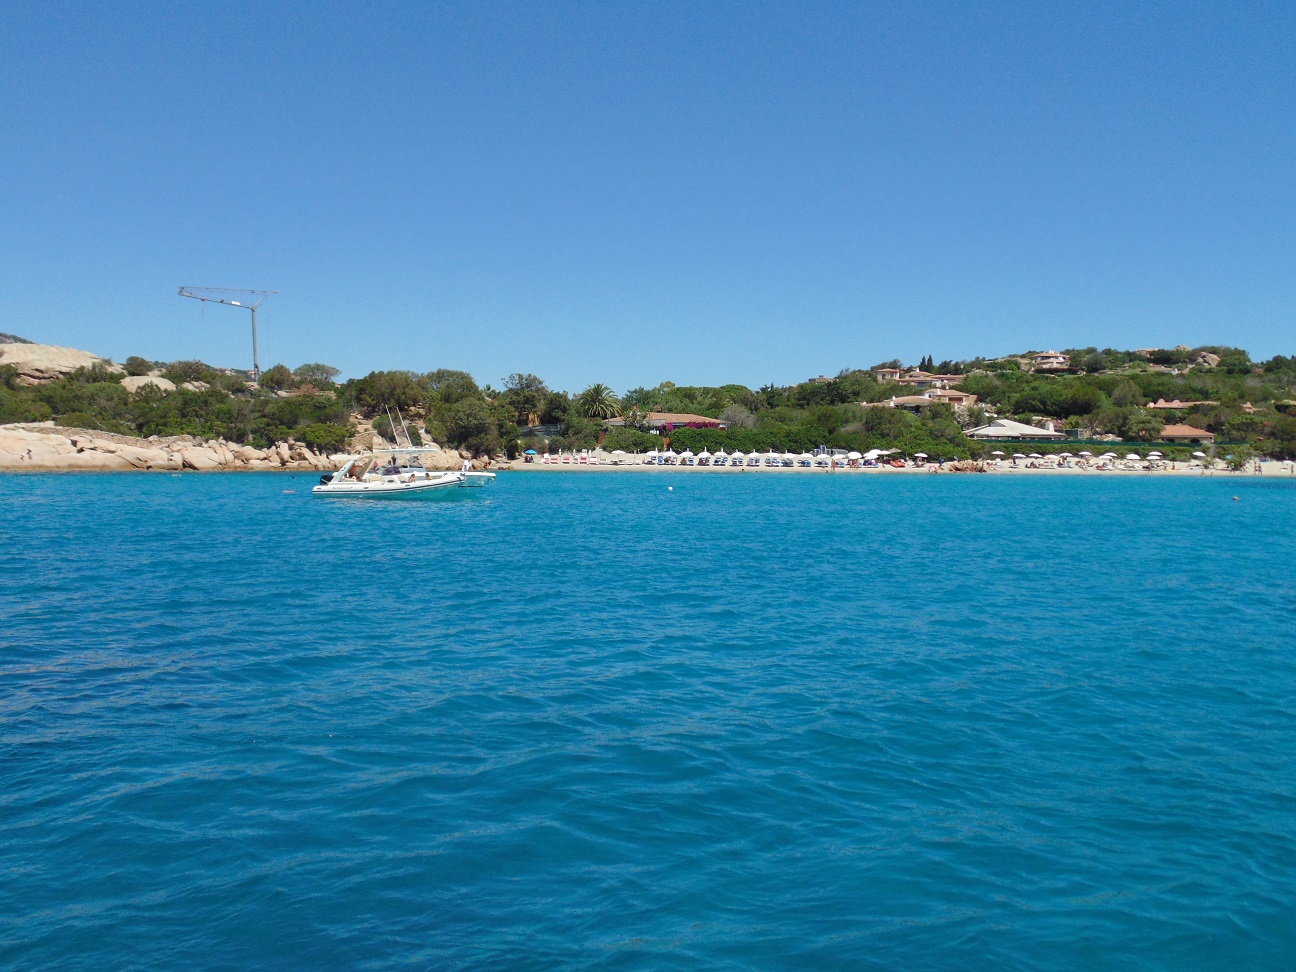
(655,420)
(887,374)
(1050,361)
(932,396)
(924,379)
(1186,433)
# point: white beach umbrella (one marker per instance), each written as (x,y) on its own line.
(1034,455)
(652,452)
(720,454)
(1064,455)
(997,452)
(704,454)
(1199,455)
(1133,455)
(739,455)
(618,452)
(853,455)
(1087,455)
(1154,455)
(671,452)
(686,454)
(1019,455)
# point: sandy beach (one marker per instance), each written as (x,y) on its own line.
(1267,468)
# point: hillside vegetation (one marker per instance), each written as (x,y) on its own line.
(1101,394)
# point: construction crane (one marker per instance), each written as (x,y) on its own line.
(212,295)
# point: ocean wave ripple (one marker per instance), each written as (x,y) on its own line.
(585,721)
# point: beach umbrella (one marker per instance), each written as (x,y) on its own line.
(1018,455)
(853,455)
(1087,455)
(1154,455)
(704,454)
(1132,455)
(530,452)
(618,452)
(720,454)
(1034,455)
(1064,455)
(1199,455)
(997,452)
(920,455)
(739,455)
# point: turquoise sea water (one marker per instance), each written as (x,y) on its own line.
(756,721)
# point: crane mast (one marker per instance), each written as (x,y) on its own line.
(225,295)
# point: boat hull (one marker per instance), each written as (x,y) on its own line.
(422,489)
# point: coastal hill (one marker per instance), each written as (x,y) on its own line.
(44,362)
(1182,399)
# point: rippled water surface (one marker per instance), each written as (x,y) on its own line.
(859,721)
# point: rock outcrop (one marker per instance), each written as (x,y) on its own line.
(135,382)
(44,362)
(45,447)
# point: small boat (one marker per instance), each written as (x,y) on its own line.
(400,478)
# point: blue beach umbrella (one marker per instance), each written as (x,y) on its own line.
(530,452)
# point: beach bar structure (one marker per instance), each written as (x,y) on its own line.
(1008,429)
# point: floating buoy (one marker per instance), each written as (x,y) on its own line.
(671,489)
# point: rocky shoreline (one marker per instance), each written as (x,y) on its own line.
(44,447)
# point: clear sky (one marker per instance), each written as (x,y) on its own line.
(630,192)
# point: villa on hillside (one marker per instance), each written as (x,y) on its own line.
(1050,361)
(1186,433)
(656,420)
(1008,429)
(923,379)
(932,396)
(887,374)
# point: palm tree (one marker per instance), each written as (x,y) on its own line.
(598,401)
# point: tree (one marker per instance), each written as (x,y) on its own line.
(136,366)
(451,386)
(524,394)
(1126,393)
(277,377)
(1144,427)
(182,371)
(472,426)
(319,375)
(392,389)
(598,401)
(737,417)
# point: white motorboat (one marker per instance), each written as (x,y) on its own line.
(403,478)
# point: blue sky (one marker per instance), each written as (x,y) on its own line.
(633,192)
